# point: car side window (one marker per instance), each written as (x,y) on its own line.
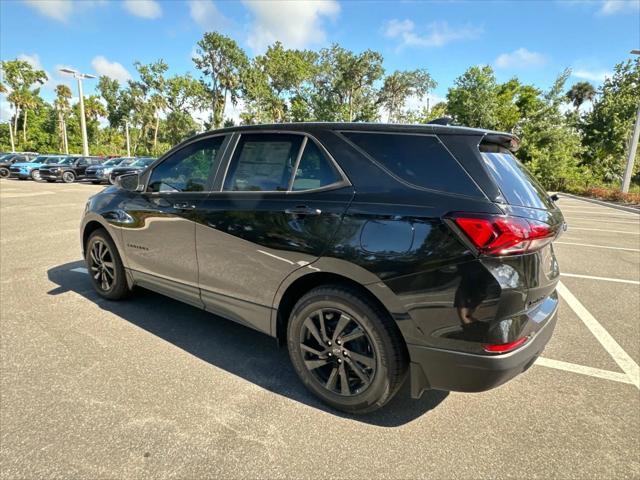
(188,169)
(82,162)
(263,162)
(314,170)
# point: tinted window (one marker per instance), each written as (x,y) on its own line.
(418,159)
(263,162)
(516,184)
(188,169)
(314,170)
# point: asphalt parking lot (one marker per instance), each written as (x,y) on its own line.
(152,388)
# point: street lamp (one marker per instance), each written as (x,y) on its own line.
(83,125)
(626,180)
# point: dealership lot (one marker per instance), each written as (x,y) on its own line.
(154,388)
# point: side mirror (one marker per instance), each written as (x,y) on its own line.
(130,182)
(554,197)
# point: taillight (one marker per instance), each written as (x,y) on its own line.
(504,347)
(503,234)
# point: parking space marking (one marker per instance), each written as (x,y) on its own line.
(622,358)
(581,369)
(598,246)
(21,195)
(604,279)
(603,230)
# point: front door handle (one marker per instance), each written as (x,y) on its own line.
(303,210)
(183,206)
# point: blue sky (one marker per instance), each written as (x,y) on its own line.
(534,40)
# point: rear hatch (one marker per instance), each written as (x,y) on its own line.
(524,197)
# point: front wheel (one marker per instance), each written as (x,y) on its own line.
(35,175)
(345,349)
(4,172)
(104,266)
(68,177)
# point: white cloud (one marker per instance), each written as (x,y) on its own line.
(597,76)
(611,7)
(114,70)
(206,14)
(57,9)
(436,34)
(520,58)
(143,8)
(296,24)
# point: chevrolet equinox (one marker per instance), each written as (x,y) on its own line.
(374,252)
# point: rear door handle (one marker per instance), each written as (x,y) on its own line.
(183,206)
(303,210)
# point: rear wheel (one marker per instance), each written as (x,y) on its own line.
(104,266)
(345,349)
(68,177)
(35,175)
(4,172)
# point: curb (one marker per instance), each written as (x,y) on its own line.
(602,203)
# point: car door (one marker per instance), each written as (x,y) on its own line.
(81,166)
(159,239)
(279,204)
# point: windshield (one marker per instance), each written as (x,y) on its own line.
(111,163)
(142,162)
(50,160)
(39,159)
(66,161)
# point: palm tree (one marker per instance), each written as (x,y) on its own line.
(29,102)
(580,93)
(4,91)
(62,105)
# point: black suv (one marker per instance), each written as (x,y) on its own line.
(8,159)
(69,169)
(136,165)
(373,251)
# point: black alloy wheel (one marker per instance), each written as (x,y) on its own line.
(337,351)
(346,349)
(4,172)
(102,265)
(105,267)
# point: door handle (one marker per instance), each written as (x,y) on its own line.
(303,210)
(183,206)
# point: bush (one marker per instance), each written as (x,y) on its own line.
(608,193)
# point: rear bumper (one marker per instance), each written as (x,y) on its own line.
(433,368)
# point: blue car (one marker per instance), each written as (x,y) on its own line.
(31,169)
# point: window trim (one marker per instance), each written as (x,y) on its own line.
(360,150)
(212,175)
(342,182)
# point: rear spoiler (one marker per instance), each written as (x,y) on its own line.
(505,140)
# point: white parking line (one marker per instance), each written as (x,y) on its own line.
(622,358)
(604,279)
(597,246)
(603,230)
(590,221)
(590,371)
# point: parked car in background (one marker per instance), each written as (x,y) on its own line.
(24,170)
(374,252)
(100,173)
(137,166)
(10,158)
(69,169)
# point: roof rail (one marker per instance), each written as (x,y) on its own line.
(441,121)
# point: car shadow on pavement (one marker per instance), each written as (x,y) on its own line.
(227,345)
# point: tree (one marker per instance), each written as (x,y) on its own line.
(152,84)
(473,99)
(607,128)
(222,62)
(20,77)
(401,85)
(62,107)
(579,93)
(183,94)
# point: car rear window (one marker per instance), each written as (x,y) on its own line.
(517,185)
(420,160)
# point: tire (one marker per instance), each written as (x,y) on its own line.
(4,172)
(112,180)
(376,349)
(105,268)
(68,177)
(35,175)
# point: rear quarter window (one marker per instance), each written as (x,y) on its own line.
(420,160)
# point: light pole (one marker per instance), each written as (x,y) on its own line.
(626,180)
(83,125)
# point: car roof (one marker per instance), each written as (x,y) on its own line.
(428,128)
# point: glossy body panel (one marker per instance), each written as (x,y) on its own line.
(238,254)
